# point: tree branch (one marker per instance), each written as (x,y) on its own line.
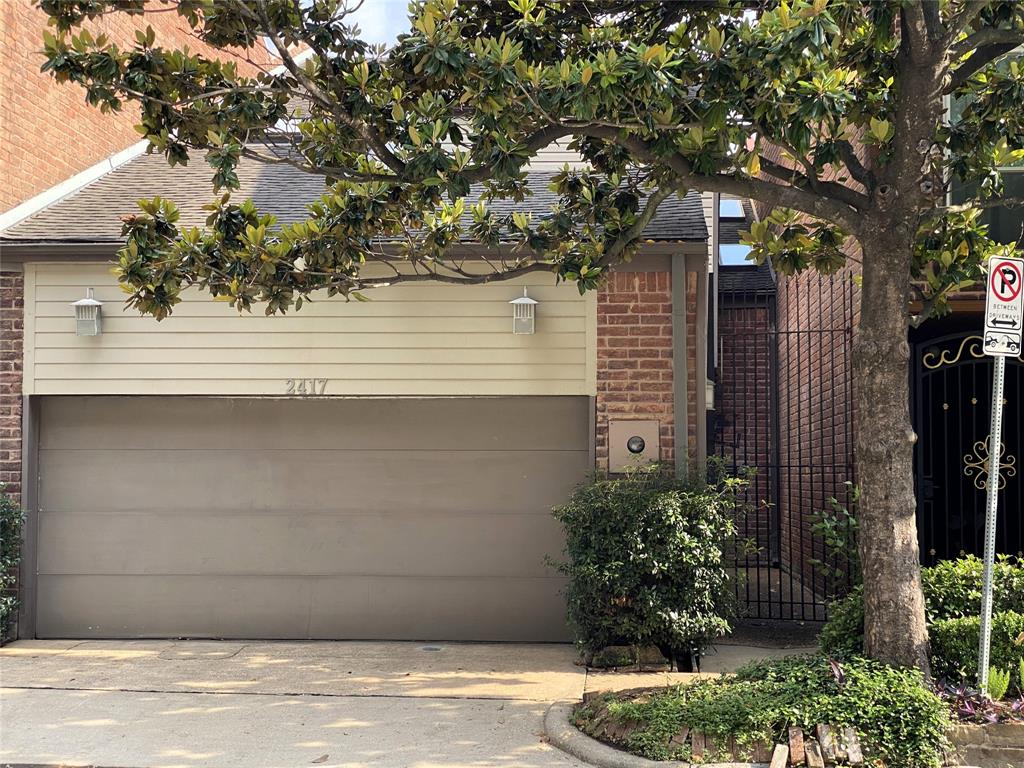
(635,231)
(959,23)
(914,29)
(786,196)
(981,58)
(857,169)
(933,21)
(813,183)
(984,38)
(384,154)
(458,279)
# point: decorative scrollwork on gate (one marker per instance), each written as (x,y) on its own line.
(976,464)
(935,358)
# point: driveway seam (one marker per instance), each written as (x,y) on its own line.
(218,658)
(190,691)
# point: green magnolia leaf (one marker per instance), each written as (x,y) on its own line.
(880,129)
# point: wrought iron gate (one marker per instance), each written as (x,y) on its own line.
(951,398)
(784,417)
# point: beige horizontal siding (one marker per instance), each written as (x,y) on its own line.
(423,339)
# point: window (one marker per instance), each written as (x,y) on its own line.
(730,209)
(734,255)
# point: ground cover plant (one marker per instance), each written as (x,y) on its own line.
(898,719)
(644,561)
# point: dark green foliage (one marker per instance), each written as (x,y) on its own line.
(952,588)
(952,592)
(897,718)
(955,645)
(11,519)
(843,633)
(644,561)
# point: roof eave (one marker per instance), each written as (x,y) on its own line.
(86,250)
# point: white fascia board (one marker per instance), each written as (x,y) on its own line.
(70,186)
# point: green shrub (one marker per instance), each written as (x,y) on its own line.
(11,519)
(897,718)
(644,562)
(952,590)
(955,645)
(843,633)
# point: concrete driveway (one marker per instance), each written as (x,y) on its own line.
(165,704)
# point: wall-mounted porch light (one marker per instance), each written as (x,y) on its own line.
(87,315)
(523,314)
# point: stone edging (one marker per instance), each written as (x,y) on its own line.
(568,738)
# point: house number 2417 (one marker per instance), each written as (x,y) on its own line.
(305,387)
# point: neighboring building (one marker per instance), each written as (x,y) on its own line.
(783,416)
(47,132)
(178,483)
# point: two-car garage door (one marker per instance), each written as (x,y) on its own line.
(320,518)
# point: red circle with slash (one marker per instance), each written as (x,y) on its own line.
(1005,281)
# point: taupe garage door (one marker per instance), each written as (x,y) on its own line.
(266,518)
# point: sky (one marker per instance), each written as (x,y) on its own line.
(380,21)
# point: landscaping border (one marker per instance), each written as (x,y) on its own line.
(567,737)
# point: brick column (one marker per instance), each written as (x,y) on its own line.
(634,355)
(12,306)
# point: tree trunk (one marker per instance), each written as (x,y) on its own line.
(894,619)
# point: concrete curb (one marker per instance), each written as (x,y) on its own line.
(568,738)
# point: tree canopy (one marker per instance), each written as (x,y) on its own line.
(795,105)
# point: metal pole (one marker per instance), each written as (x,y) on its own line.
(992,497)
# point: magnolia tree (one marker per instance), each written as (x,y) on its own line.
(832,114)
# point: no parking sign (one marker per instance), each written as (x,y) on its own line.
(1004,306)
(1004,316)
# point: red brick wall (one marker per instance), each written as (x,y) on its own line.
(11,333)
(743,408)
(634,356)
(47,132)
(817,318)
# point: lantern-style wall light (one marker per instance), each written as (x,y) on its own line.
(87,315)
(524,315)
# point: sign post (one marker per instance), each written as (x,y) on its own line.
(1004,318)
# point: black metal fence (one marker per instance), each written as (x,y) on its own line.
(783,417)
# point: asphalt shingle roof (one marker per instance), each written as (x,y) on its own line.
(745,279)
(93,214)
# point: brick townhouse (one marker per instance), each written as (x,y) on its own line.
(380,469)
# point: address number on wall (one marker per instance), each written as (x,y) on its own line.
(305,387)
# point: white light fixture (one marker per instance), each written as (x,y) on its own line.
(523,314)
(87,315)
